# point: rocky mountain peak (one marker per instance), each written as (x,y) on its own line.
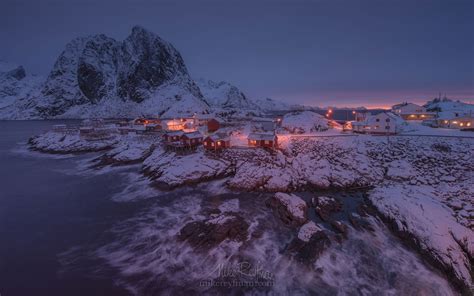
(96,69)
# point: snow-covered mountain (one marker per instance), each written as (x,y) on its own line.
(225,95)
(143,75)
(16,86)
(268,104)
(97,76)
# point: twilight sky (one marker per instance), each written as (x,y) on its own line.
(343,53)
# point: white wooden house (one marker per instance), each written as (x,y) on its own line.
(382,123)
(410,111)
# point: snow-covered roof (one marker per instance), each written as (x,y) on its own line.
(175,133)
(193,135)
(218,136)
(384,115)
(447,115)
(262,137)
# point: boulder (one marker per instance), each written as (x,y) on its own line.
(340,227)
(291,209)
(307,231)
(325,206)
(309,251)
(206,234)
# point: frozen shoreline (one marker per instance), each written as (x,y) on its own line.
(434,174)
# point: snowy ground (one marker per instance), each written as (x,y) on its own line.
(422,184)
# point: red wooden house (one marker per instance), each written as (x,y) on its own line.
(172,136)
(213,125)
(265,140)
(216,142)
(191,139)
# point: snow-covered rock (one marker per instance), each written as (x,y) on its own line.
(208,233)
(290,208)
(325,206)
(129,149)
(304,122)
(54,142)
(170,169)
(417,210)
(308,230)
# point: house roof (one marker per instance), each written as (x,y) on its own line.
(262,137)
(192,135)
(447,115)
(372,119)
(175,133)
(218,136)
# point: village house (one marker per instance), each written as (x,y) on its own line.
(263,124)
(462,123)
(410,111)
(383,123)
(207,120)
(146,121)
(177,124)
(216,142)
(173,136)
(191,139)
(264,140)
(361,115)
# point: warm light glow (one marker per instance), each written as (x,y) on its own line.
(422,116)
(461,124)
(330,111)
(455,122)
(353,112)
(412,116)
(468,124)
(446,122)
(219,143)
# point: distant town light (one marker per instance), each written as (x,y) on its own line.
(330,111)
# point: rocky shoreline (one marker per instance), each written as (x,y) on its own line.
(443,167)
